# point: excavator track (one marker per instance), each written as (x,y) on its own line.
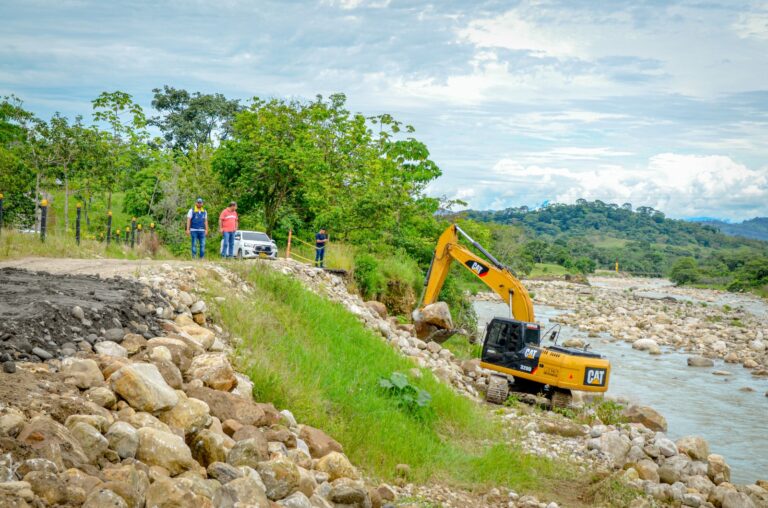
(561,399)
(498,390)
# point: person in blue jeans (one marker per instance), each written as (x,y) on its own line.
(197,227)
(320,240)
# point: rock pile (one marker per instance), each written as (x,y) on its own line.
(162,420)
(705,331)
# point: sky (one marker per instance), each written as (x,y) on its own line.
(656,103)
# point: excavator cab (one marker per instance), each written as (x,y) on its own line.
(510,343)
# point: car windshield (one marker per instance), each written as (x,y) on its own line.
(255,237)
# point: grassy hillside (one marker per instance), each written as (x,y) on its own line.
(313,356)
(595,235)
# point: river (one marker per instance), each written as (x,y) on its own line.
(693,400)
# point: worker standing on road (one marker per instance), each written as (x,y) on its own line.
(320,240)
(197,226)
(228,223)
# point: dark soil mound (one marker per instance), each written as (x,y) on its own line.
(44,316)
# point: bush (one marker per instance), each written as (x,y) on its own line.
(369,279)
(409,398)
(684,271)
(610,412)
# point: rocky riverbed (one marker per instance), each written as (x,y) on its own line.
(651,323)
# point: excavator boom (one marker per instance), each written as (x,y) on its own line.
(495,275)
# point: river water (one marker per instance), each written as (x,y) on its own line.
(693,400)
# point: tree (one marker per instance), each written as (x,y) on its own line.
(264,162)
(66,143)
(128,125)
(189,121)
(684,271)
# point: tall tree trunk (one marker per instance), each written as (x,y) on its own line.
(66,201)
(37,202)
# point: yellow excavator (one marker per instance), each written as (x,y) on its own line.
(512,346)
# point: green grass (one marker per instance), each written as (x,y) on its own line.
(609,242)
(545,269)
(314,357)
(14,244)
(460,346)
(97,213)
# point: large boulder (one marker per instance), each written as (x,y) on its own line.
(174,493)
(437,314)
(189,415)
(85,373)
(280,476)
(158,448)
(337,465)
(378,308)
(214,370)
(54,442)
(123,439)
(645,345)
(225,406)
(209,447)
(93,443)
(615,446)
(249,452)
(717,470)
(647,416)
(320,444)
(700,361)
(243,492)
(143,387)
(349,492)
(695,447)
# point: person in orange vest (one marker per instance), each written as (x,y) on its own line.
(197,227)
(228,223)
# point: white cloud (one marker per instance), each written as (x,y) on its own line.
(512,31)
(753,24)
(680,185)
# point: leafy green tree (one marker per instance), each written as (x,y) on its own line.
(126,140)
(190,120)
(684,271)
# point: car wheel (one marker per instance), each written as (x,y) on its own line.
(240,254)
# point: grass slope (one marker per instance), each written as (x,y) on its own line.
(314,356)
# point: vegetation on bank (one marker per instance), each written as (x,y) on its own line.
(313,356)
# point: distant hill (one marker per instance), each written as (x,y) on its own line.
(756,228)
(642,240)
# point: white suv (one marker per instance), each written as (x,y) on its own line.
(253,244)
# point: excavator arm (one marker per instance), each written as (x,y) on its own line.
(495,275)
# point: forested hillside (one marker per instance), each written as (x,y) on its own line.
(756,228)
(589,235)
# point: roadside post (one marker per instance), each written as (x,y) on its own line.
(77,224)
(43,218)
(133,232)
(138,234)
(1,213)
(127,234)
(109,226)
(117,236)
(288,248)
(152,231)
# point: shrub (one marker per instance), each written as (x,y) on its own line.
(684,271)
(369,279)
(409,398)
(610,412)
